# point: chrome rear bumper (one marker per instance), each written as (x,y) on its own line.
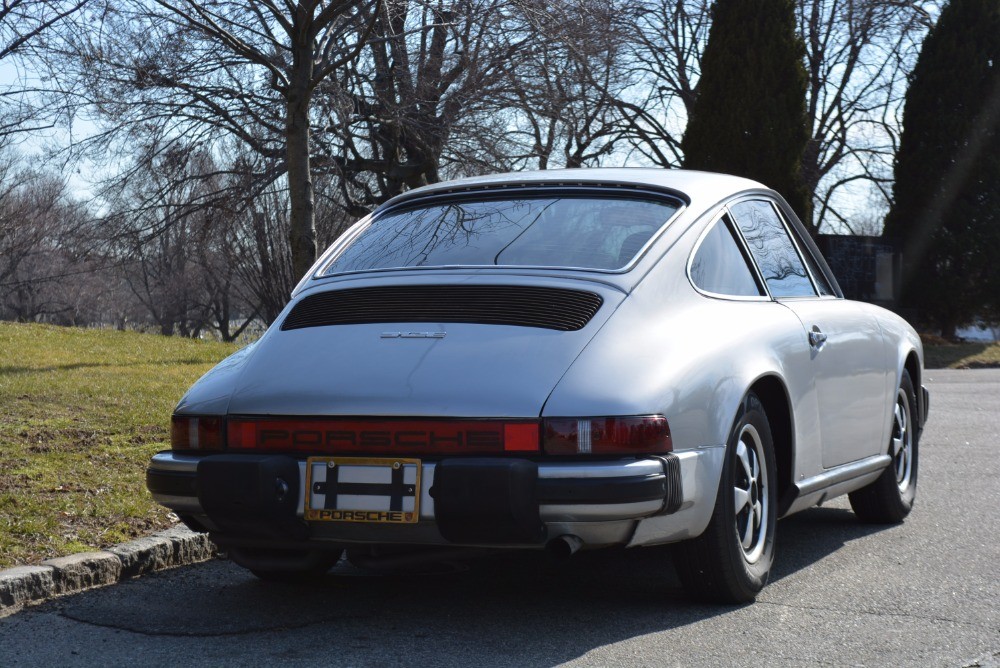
(566,492)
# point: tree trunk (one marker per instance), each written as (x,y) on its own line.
(949,330)
(809,173)
(302,226)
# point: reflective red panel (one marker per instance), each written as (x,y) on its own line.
(521,437)
(381,436)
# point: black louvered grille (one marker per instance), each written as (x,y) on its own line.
(551,308)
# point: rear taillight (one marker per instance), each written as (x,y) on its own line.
(196,433)
(645,434)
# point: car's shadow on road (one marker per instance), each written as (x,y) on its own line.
(517,609)
(807,537)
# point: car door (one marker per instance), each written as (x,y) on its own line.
(846,356)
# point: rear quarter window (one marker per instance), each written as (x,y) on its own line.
(719,266)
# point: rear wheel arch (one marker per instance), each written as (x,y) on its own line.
(912,366)
(730,562)
(774,396)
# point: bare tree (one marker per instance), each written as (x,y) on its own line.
(565,87)
(157,246)
(420,100)
(667,38)
(42,244)
(20,22)
(331,107)
(858,55)
(248,253)
(165,71)
(228,306)
(262,263)
(18,239)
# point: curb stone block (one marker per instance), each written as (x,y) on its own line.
(24,584)
(166,549)
(143,555)
(178,546)
(191,547)
(83,571)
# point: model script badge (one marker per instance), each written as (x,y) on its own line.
(413,335)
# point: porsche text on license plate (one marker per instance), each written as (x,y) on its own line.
(353,489)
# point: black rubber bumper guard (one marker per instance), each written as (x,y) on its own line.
(926,397)
(494,500)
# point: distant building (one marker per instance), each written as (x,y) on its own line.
(867,268)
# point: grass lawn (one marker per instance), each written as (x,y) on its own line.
(81,412)
(962,356)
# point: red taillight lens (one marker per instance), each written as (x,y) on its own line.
(387,436)
(196,433)
(644,434)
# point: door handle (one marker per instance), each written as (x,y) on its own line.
(816,337)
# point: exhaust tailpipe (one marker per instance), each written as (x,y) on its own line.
(564,547)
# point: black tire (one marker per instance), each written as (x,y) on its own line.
(890,498)
(728,564)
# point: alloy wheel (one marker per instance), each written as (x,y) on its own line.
(750,494)
(902,441)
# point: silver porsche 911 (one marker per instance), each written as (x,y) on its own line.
(565,360)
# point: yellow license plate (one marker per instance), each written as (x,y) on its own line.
(383,490)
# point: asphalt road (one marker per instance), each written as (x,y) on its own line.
(843,594)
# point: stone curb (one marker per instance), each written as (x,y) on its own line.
(25,585)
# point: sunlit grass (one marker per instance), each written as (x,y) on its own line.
(962,356)
(81,412)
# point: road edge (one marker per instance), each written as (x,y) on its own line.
(27,585)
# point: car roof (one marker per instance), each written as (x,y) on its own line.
(699,189)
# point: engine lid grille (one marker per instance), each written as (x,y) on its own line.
(525,306)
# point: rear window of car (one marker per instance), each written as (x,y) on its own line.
(571,231)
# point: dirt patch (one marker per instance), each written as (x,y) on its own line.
(979,364)
(43,440)
(148,433)
(929,339)
(10,482)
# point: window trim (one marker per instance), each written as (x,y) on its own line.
(799,244)
(504,192)
(793,237)
(725,217)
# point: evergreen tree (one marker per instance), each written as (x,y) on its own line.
(749,118)
(946,209)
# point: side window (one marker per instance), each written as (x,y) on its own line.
(772,249)
(718,265)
